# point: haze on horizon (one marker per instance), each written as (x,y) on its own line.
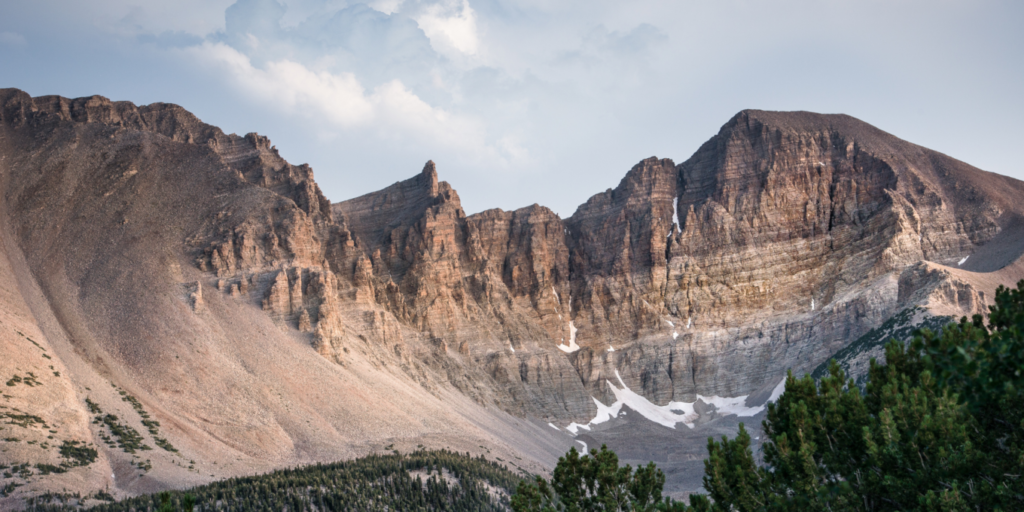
(522,102)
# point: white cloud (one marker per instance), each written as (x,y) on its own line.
(339,99)
(450,25)
(386,6)
(12,38)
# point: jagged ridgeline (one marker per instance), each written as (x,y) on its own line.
(423,480)
(179,305)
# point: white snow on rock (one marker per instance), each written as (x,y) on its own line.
(675,215)
(670,323)
(574,427)
(611,349)
(688,321)
(961,262)
(675,335)
(777,392)
(513,349)
(573,347)
(557,298)
(812,304)
(552,425)
(584,445)
(672,413)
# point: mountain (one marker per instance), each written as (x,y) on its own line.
(165,285)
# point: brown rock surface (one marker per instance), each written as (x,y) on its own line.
(265,327)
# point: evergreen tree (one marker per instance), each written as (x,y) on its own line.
(592,482)
(940,427)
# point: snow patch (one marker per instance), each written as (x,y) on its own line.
(611,349)
(812,304)
(670,323)
(672,413)
(961,262)
(573,347)
(688,321)
(584,445)
(777,392)
(675,215)
(675,335)
(552,425)
(510,347)
(574,427)
(557,298)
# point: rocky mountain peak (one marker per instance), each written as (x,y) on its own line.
(263,325)
(428,177)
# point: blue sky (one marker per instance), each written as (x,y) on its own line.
(531,101)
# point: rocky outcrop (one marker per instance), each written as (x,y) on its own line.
(781,239)
(168,250)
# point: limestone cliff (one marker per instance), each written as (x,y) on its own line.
(213,282)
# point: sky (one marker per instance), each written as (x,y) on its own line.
(529,101)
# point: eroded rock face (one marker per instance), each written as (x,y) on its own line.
(782,238)
(786,236)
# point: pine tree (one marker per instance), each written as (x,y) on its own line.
(593,482)
(940,427)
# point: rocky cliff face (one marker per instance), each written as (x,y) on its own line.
(214,281)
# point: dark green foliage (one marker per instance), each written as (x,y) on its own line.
(940,427)
(127,437)
(377,482)
(8,488)
(29,379)
(165,444)
(24,420)
(901,327)
(93,407)
(593,482)
(136,404)
(153,426)
(103,495)
(77,453)
(46,469)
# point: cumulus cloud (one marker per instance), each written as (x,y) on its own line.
(450,25)
(340,101)
(506,94)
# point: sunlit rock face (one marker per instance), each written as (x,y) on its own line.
(268,327)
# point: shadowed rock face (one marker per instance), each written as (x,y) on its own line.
(215,282)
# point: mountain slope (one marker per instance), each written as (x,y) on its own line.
(210,281)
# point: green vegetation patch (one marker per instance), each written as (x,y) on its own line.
(128,439)
(126,397)
(376,482)
(29,380)
(23,420)
(93,407)
(77,453)
(46,469)
(900,326)
(165,444)
(153,426)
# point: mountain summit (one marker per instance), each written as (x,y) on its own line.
(190,305)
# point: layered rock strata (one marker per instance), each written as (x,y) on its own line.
(264,323)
